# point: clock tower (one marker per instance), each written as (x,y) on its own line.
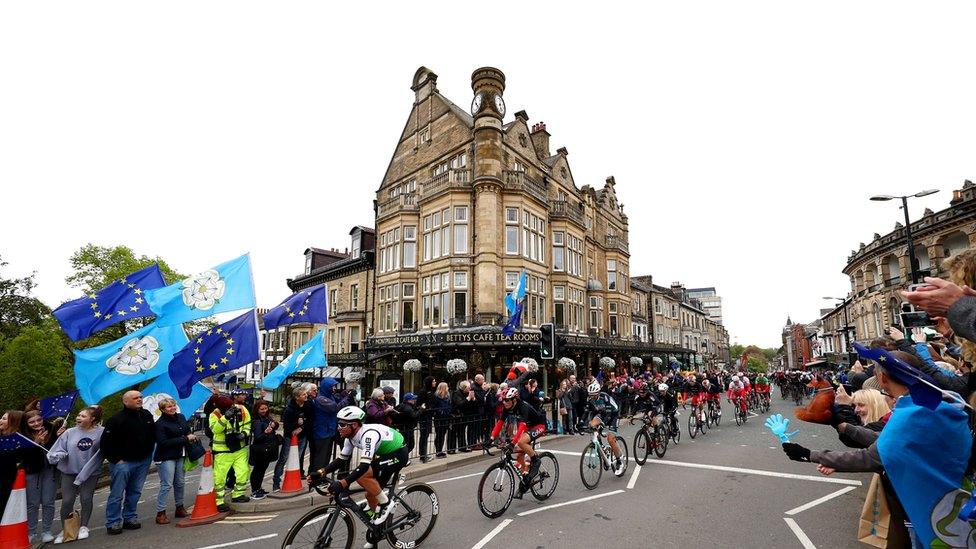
(488,108)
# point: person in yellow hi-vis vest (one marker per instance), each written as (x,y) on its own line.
(231,426)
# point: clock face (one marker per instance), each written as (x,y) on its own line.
(476,103)
(500,105)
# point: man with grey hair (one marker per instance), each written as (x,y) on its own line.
(127,443)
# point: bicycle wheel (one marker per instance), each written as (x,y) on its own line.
(624,456)
(660,444)
(675,430)
(642,446)
(591,466)
(718,416)
(738,414)
(545,483)
(692,424)
(324,526)
(418,512)
(496,489)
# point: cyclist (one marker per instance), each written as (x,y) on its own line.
(646,401)
(737,393)
(530,424)
(762,385)
(382,455)
(601,408)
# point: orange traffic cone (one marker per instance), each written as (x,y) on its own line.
(13,526)
(205,508)
(293,477)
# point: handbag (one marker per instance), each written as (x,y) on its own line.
(70,526)
(875,516)
(194,450)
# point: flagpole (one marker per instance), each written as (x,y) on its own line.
(32,442)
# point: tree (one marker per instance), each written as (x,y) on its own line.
(34,364)
(757,363)
(735,351)
(18,309)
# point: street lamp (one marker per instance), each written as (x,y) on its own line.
(847,323)
(908,226)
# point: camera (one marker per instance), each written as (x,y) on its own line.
(916,319)
(233,413)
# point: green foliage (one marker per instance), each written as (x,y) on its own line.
(770,354)
(34,364)
(735,351)
(97,266)
(17,308)
(757,363)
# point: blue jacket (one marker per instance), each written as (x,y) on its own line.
(326,406)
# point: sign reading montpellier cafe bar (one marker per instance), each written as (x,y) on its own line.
(472,339)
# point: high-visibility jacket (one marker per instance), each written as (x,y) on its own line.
(220,426)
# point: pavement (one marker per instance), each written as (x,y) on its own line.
(730,487)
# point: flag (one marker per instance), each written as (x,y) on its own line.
(134,358)
(925,453)
(58,406)
(162,387)
(305,306)
(227,347)
(517,294)
(226,287)
(515,321)
(121,300)
(14,441)
(309,355)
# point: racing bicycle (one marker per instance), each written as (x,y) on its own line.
(504,479)
(598,457)
(652,436)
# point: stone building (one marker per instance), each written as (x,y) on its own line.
(640,317)
(879,269)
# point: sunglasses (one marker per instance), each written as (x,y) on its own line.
(508,400)
(343,424)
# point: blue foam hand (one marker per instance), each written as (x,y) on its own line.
(778,426)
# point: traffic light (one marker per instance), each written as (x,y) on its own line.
(547,341)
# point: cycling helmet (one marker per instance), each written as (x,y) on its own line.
(735,378)
(594,388)
(662,387)
(351,413)
(511,393)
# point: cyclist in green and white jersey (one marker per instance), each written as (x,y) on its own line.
(382,455)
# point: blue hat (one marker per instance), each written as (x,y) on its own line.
(923,389)
(409,396)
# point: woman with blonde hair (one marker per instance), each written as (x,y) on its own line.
(870,405)
(172,437)
(962,272)
(441,412)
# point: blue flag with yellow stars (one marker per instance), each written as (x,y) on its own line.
(121,300)
(226,287)
(227,347)
(58,406)
(305,306)
(12,442)
(136,357)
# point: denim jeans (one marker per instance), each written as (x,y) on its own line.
(279,469)
(170,476)
(127,480)
(40,493)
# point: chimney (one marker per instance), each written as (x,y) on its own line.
(523,116)
(562,151)
(540,140)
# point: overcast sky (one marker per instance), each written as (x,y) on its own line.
(745,137)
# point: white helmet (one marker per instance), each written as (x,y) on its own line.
(735,378)
(663,387)
(594,388)
(511,393)
(351,413)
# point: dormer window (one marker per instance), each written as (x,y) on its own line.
(356,244)
(308,263)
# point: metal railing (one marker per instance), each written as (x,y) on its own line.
(520,181)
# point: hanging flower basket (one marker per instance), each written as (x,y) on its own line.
(657,360)
(412,365)
(636,361)
(567,365)
(457,366)
(607,363)
(531,363)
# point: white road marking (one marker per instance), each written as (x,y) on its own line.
(563,452)
(571,502)
(235,518)
(238,542)
(633,478)
(456,478)
(804,540)
(818,501)
(484,541)
(240,521)
(757,472)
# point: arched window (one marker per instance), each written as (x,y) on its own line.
(955,242)
(876,311)
(864,323)
(893,312)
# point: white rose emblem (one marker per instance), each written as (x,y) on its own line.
(151,403)
(137,355)
(203,290)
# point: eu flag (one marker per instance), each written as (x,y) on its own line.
(58,406)
(515,321)
(15,441)
(305,306)
(309,355)
(226,287)
(131,359)
(229,346)
(121,300)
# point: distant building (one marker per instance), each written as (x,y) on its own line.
(711,302)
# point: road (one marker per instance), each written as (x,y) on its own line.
(730,487)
